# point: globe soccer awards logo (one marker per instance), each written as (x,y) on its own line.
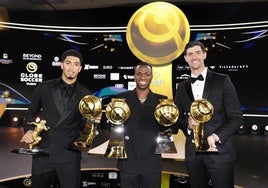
(157,33)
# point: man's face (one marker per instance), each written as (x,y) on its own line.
(71,66)
(143,76)
(195,57)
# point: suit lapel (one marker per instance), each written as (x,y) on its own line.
(188,89)
(208,83)
(56,95)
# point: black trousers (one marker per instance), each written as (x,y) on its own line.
(45,175)
(205,173)
(133,180)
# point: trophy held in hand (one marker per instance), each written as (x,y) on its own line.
(90,107)
(33,148)
(202,111)
(117,112)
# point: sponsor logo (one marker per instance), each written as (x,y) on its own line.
(31,67)
(114,76)
(126,68)
(119,85)
(5,59)
(130,77)
(131,85)
(182,67)
(31,78)
(183,77)
(91,67)
(36,57)
(112,175)
(233,67)
(99,76)
(109,67)
(56,62)
(88,183)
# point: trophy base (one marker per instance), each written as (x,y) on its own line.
(80,146)
(207,151)
(30,151)
(165,144)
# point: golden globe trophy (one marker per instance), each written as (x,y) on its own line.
(117,113)
(202,111)
(33,148)
(90,107)
(166,113)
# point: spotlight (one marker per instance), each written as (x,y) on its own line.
(37,119)
(242,130)
(265,131)
(15,121)
(254,129)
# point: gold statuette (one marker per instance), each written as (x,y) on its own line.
(33,148)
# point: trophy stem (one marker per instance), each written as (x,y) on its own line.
(199,137)
(116,147)
(92,134)
(201,111)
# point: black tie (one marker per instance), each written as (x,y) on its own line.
(200,77)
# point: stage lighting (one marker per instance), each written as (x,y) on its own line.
(265,131)
(254,130)
(15,121)
(4,17)
(37,119)
(242,130)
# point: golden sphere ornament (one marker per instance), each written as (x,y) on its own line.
(157,33)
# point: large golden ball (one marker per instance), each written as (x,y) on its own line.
(201,110)
(90,107)
(157,33)
(166,112)
(117,111)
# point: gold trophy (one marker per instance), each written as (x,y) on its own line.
(202,111)
(90,107)
(117,113)
(33,149)
(166,113)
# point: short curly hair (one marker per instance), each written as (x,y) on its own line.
(72,52)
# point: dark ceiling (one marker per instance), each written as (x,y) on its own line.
(19,5)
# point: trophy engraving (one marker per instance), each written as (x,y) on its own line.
(117,112)
(166,113)
(202,111)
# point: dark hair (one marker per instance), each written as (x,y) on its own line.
(145,64)
(192,44)
(72,52)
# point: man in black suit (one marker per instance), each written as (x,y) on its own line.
(142,168)
(56,101)
(208,168)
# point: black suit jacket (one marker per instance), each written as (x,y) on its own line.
(142,130)
(64,127)
(226,120)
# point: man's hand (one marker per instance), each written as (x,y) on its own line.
(191,122)
(212,142)
(28,137)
